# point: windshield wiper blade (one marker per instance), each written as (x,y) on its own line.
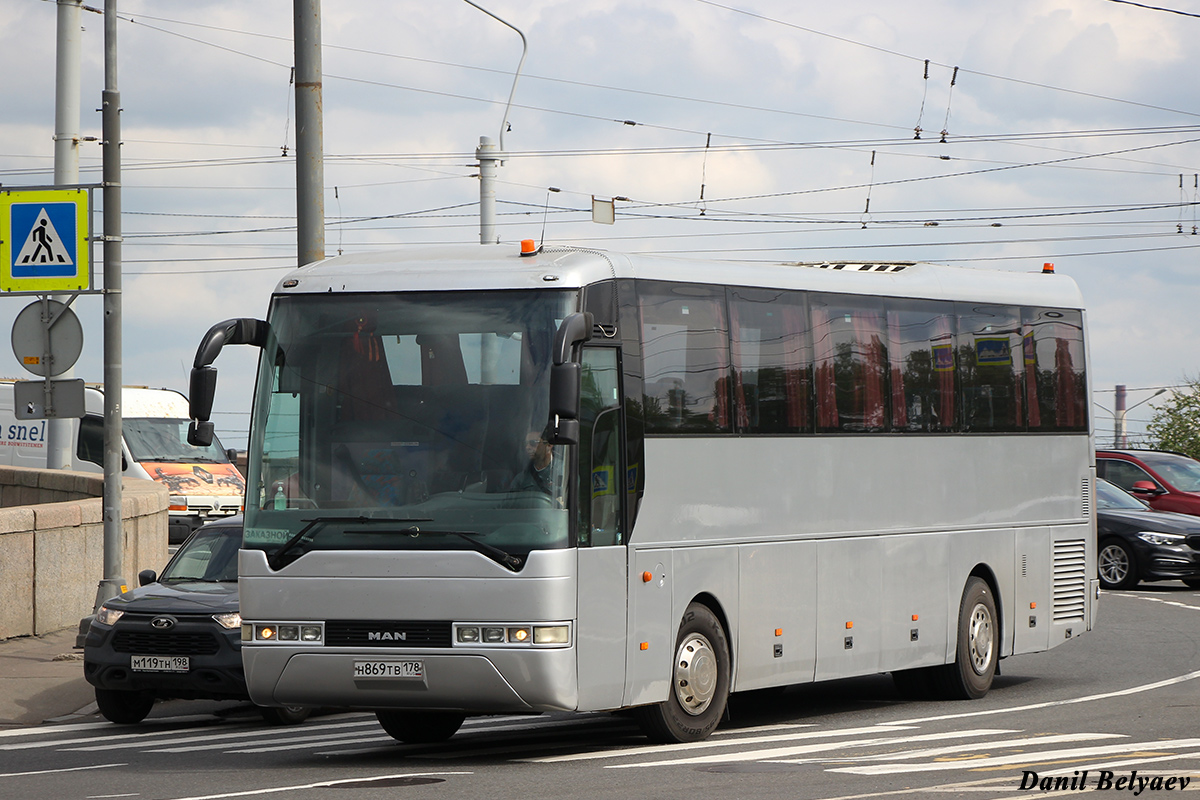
(495,553)
(274,560)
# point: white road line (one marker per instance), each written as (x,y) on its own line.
(1190,676)
(1021,758)
(321,785)
(784,752)
(1164,602)
(279,742)
(380,738)
(56,771)
(187,739)
(1132,762)
(677,748)
(931,752)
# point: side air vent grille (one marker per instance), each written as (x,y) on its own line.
(1070,580)
(1085,496)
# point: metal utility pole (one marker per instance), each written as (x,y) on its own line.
(66,173)
(113,583)
(310,163)
(490,156)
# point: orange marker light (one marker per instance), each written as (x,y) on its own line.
(1033,605)
(849,625)
(1048,268)
(528,247)
(647,577)
(779,631)
(915,617)
(644,646)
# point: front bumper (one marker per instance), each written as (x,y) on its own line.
(214,655)
(1169,562)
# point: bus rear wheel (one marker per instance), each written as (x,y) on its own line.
(970,675)
(420,727)
(699,682)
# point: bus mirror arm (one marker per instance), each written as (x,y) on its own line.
(565,377)
(203,380)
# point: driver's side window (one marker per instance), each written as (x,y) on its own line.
(600,475)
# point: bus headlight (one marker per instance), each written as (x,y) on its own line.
(521,634)
(283,633)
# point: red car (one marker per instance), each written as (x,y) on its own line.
(1167,481)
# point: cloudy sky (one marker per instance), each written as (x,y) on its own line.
(1050,130)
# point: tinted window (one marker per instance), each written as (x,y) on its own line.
(686,358)
(1124,473)
(1055,384)
(771,361)
(849,363)
(922,359)
(990,369)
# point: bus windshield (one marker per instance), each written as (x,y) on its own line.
(408,421)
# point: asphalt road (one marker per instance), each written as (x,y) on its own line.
(1121,702)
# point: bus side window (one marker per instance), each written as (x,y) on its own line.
(601,480)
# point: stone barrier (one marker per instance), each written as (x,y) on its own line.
(52,544)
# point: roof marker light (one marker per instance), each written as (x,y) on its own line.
(529,247)
(1048,268)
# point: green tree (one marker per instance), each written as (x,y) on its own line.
(1176,423)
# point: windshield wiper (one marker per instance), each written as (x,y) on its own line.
(492,552)
(275,560)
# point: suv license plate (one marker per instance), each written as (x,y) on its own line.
(389,669)
(159,663)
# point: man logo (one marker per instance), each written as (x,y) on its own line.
(162,623)
(386,636)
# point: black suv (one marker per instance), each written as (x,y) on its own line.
(177,635)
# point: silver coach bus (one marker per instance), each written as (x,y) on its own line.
(487,482)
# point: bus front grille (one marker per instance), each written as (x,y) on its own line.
(386,633)
(1070,580)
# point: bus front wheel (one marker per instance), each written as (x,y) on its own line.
(970,675)
(420,727)
(699,682)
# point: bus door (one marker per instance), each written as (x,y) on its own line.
(600,520)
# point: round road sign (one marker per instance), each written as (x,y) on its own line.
(29,338)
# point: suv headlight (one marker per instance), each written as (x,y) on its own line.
(108,616)
(1154,537)
(229,621)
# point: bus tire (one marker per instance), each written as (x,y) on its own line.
(970,675)
(699,682)
(420,727)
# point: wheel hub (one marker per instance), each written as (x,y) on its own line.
(695,674)
(979,639)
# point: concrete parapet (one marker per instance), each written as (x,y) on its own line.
(52,544)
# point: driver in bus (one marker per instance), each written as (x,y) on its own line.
(539,472)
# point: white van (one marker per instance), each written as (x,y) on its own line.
(204,484)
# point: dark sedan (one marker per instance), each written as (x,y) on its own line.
(177,635)
(1138,543)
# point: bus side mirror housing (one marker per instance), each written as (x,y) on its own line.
(565,376)
(202,383)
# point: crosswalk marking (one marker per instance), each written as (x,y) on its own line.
(818,747)
(709,743)
(933,752)
(1078,753)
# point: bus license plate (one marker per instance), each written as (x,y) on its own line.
(159,663)
(389,669)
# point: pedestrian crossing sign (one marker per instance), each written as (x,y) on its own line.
(44,236)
